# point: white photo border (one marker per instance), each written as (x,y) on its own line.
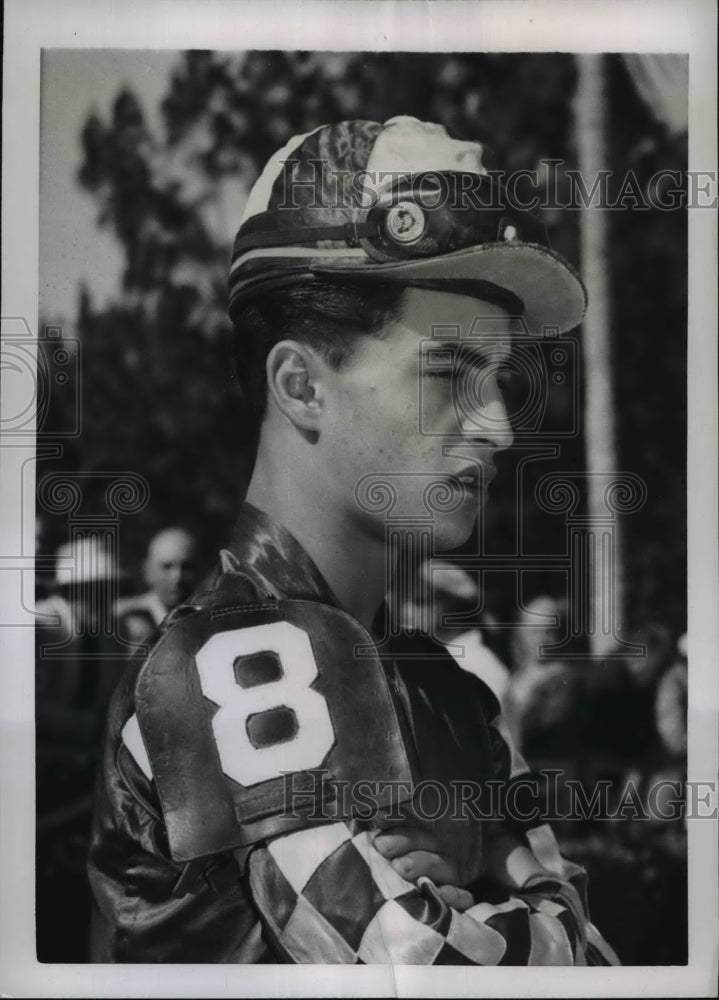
(442,25)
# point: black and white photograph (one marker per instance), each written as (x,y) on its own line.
(359,468)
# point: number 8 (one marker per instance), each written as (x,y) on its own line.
(312,740)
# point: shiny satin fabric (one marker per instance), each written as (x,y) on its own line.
(150,907)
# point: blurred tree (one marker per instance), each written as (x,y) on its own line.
(649,310)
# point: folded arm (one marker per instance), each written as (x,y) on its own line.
(327,895)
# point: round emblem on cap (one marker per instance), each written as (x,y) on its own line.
(404,222)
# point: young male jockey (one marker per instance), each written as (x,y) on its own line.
(265,787)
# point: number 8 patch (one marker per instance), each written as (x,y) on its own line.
(270,719)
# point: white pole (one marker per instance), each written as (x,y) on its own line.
(599,429)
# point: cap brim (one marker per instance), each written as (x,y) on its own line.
(554,297)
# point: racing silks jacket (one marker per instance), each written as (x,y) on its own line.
(250,760)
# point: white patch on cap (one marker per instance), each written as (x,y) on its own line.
(259,197)
(339,254)
(407,145)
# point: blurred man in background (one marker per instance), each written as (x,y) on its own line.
(78,663)
(170,571)
(625,690)
(671,703)
(76,645)
(546,691)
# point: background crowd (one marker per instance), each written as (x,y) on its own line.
(622,722)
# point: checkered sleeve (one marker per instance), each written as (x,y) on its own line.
(565,882)
(326,895)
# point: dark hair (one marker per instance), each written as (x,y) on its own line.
(328,315)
